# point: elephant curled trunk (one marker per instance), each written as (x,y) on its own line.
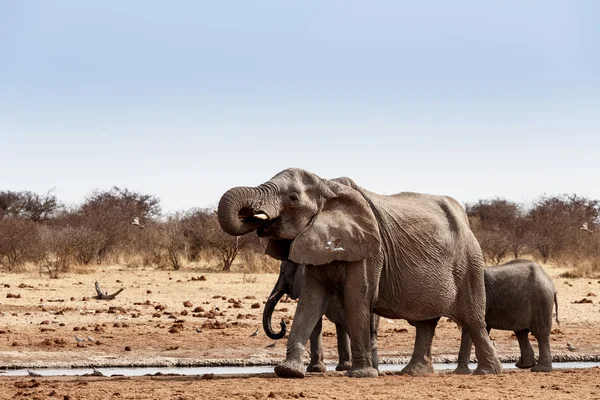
(237,211)
(278,291)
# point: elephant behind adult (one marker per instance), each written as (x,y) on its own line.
(520,297)
(291,281)
(406,256)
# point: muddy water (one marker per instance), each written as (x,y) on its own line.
(234,370)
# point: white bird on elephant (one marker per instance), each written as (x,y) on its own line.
(333,244)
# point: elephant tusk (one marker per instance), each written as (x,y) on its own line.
(274,295)
(261,216)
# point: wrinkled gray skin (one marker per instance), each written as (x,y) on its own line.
(520,298)
(291,282)
(406,256)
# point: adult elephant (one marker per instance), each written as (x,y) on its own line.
(291,281)
(407,256)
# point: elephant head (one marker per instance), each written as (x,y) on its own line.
(290,282)
(300,213)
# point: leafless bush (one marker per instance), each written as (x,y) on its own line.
(110,214)
(61,249)
(28,205)
(500,227)
(19,242)
(161,244)
(555,224)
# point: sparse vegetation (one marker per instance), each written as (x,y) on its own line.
(39,231)
(551,230)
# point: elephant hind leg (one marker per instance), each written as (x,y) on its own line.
(544,363)
(487,359)
(420,362)
(527,358)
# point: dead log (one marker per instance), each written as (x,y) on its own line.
(104,295)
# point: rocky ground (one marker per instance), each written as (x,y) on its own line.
(194,318)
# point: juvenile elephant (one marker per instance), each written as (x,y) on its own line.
(291,282)
(520,297)
(405,256)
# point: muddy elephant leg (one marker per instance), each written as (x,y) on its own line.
(544,363)
(420,362)
(316,349)
(343,345)
(311,308)
(357,309)
(464,354)
(527,358)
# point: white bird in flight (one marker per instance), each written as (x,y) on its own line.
(333,244)
(584,227)
(136,221)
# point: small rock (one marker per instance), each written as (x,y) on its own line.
(256,305)
(127,348)
(188,304)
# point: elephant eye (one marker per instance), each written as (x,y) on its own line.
(294,197)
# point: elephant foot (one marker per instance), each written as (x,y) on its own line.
(487,371)
(417,369)
(492,366)
(462,370)
(319,367)
(366,372)
(541,368)
(289,370)
(343,366)
(525,364)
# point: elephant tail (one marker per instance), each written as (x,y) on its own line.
(556,308)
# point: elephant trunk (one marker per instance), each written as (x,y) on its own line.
(278,291)
(238,211)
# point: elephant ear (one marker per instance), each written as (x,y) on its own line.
(347,219)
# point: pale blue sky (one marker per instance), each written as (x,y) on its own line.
(185,99)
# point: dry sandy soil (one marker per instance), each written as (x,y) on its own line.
(152,323)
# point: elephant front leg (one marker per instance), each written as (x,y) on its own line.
(343,345)
(420,362)
(464,354)
(316,349)
(311,307)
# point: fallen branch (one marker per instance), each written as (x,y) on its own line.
(104,295)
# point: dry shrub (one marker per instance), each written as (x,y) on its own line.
(62,247)
(19,243)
